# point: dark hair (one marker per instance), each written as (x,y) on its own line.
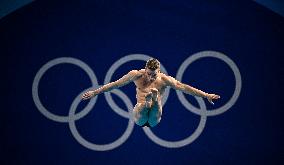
(153,64)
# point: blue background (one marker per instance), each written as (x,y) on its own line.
(101,32)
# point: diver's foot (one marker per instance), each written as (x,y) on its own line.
(155,94)
(148,99)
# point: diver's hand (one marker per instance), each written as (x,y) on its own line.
(88,95)
(210,97)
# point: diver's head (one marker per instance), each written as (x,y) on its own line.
(152,69)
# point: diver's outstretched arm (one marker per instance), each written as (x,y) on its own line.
(129,77)
(172,82)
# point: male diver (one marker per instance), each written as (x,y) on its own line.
(150,87)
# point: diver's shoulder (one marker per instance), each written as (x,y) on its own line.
(136,72)
(163,76)
(141,71)
(166,78)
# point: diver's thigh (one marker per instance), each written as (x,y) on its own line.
(156,110)
(140,114)
(155,115)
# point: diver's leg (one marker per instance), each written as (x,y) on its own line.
(141,111)
(140,114)
(155,114)
(156,110)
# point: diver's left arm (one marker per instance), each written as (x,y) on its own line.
(172,82)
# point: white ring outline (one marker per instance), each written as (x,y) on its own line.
(40,73)
(230,63)
(114,67)
(102,147)
(189,139)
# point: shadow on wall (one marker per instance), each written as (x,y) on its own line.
(275,5)
(8,6)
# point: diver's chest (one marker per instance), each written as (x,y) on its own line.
(146,84)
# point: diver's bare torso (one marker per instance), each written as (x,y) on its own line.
(150,87)
(149,93)
(144,86)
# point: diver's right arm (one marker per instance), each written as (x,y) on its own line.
(129,77)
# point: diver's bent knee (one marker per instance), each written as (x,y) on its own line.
(154,121)
(139,120)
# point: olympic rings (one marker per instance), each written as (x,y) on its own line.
(231,64)
(186,141)
(41,72)
(103,147)
(72,117)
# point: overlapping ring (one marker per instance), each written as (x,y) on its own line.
(72,117)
